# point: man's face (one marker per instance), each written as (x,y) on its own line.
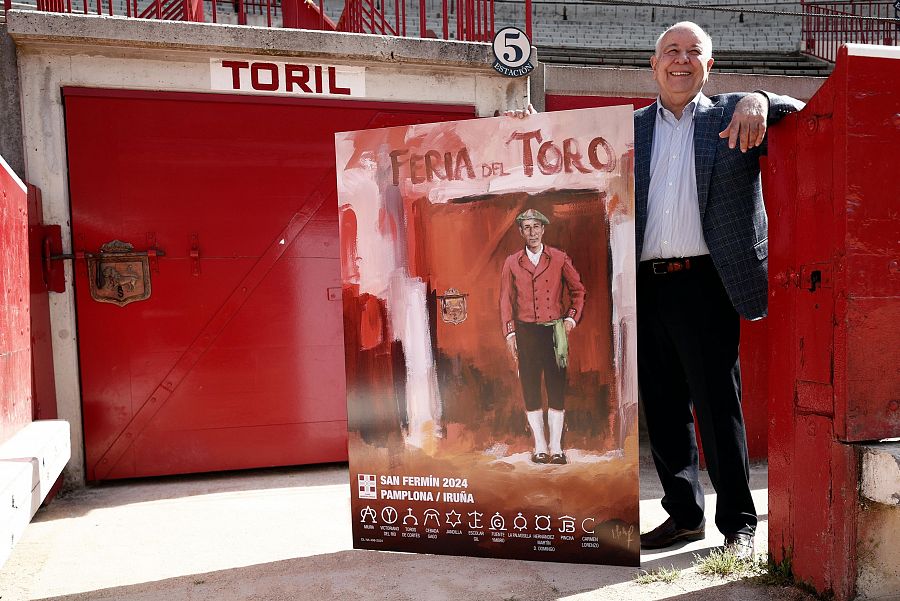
(532,230)
(681,66)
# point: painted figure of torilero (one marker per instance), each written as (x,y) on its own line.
(541,302)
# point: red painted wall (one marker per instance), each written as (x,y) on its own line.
(754,335)
(15,329)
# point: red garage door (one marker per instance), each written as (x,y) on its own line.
(208,280)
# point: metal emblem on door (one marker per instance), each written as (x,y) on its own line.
(118,274)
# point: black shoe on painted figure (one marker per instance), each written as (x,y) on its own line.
(741,545)
(540,458)
(668,533)
(558,459)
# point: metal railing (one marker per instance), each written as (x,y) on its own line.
(827,25)
(172,10)
(466,20)
(243,9)
(366,16)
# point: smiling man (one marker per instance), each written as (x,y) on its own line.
(702,243)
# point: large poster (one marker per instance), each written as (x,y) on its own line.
(489,325)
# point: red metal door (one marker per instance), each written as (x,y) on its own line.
(235,360)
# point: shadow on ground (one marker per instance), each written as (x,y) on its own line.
(370,575)
(117,493)
(375,576)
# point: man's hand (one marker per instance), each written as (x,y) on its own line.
(513,349)
(748,124)
(520,113)
(570,325)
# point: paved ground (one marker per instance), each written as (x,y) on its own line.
(285,534)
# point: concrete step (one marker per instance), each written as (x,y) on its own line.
(30,463)
(878,520)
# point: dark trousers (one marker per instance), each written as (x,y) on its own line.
(688,336)
(537,358)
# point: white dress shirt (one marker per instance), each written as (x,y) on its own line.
(673,212)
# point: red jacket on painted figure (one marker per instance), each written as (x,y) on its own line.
(534,293)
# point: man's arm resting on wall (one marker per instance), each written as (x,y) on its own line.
(751,117)
(779,106)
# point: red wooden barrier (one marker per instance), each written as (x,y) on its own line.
(15,330)
(834,285)
(43,243)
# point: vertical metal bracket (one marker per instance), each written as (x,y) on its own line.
(81,252)
(195,254)
(151,252)
(54,271)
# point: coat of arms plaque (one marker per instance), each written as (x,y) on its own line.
(118,274)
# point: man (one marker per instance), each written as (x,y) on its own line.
(537,325)
(702,243)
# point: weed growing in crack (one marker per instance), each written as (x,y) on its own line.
(775,574)
(665,575)
(724,563)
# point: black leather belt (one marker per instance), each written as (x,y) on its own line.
(666,266)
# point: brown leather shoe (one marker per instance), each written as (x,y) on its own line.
(668,533)
(741,545)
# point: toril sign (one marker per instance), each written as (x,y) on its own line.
(294,79)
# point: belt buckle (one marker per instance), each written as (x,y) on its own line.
(659,267)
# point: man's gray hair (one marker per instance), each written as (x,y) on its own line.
(707,40)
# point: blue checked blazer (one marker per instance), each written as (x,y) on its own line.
(729,192)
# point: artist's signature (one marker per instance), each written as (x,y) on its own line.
(620,533)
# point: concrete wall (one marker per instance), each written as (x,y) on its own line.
(73,50)
(878,522)
(638,83)
(10,115)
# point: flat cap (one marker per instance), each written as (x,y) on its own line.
(532,214)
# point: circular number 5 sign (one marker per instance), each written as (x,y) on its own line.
(512,52)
